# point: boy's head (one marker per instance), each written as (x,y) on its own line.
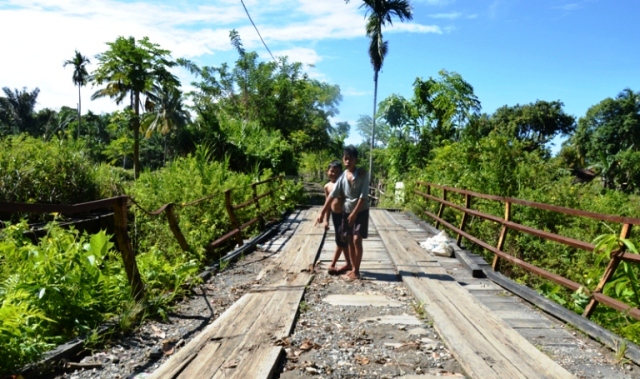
(334,170)
(350,156)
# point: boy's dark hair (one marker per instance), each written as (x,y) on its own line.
(335,164)
(351,151)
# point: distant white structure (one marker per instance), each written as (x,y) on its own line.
(399,193)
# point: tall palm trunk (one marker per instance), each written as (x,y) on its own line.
(79,111)
(373,129)
(136,136)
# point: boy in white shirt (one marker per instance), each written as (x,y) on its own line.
(353,185)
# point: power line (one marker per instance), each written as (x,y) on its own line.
(254,25)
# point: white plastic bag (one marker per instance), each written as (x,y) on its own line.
(439,245)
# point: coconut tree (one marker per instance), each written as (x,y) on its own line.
(165,112)
(17,111)
(80,78)
(131,68)
(380,13)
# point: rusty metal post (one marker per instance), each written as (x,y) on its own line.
(467,204)
(257,203)
(232,216)
(503,236)
(175,228)
(441,209)
(125,247)
(608,272)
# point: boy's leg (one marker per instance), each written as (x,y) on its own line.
(356,257)
(336,255)
(351,250)
(341,245)
(360,231)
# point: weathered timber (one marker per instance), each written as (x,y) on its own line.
(483,344)
(240,343)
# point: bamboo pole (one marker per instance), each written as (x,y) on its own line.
(608,272)
(175,228)
(232,216)
(503,235)
(441,209)
(467,204)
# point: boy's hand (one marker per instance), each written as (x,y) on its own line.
(352,218)
(326,225)
(319,220)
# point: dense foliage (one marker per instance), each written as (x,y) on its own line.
(53,172)
(52,290)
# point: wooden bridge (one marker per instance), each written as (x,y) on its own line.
(491,335)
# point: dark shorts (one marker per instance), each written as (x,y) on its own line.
(360,227)
(337,226)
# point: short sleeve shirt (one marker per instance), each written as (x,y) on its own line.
(351,192)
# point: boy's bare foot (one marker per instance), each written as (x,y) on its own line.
(342,270)
(351,276)
(332,270)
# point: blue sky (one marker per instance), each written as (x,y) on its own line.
(511,51)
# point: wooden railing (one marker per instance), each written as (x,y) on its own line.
(507,224)
(120,205)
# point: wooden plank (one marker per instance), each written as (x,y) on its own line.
(483,343)
(174,365)
(259,364)
(240,343)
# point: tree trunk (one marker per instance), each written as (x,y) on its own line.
(373,129)
(79,111)
(136,136)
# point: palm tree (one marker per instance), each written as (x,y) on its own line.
(165,112)
(80,78)
(131,68)
(380,13)
(17,111)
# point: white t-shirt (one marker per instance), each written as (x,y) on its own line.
(351,192)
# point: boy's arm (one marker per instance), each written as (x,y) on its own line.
(352,217)
(335,193)
(326,196)
(325,208)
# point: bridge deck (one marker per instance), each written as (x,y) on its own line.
(476,321)
(484,344)
(242,342)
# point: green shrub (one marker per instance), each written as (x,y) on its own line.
(188,179)
(63,286)
(54,172)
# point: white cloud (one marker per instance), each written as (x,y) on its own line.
(300,54)
(450,16)
(415,28)
(41,34)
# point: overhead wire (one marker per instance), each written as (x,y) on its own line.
(257,31)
